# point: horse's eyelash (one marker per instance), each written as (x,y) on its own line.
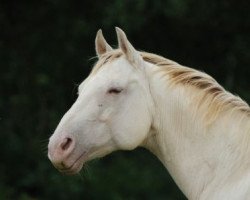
(115,90)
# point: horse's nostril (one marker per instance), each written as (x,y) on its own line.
(66,143)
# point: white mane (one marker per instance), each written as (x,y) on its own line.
(212,96)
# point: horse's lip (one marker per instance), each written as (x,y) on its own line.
(76,166)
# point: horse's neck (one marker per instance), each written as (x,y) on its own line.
(200,158)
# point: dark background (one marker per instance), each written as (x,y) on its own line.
(46,48)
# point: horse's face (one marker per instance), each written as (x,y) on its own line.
(111,112)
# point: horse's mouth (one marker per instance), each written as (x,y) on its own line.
(75,167)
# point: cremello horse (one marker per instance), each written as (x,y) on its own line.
(199,131)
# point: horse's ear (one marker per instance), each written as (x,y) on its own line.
(101,46)
(132,55)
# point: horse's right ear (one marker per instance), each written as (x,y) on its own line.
(101,46)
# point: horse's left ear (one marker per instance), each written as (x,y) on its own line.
(130,52)
(101,46)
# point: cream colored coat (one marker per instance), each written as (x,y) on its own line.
(199,131)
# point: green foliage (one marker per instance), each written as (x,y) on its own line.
(45,51)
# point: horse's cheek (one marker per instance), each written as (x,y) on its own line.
(129,131)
